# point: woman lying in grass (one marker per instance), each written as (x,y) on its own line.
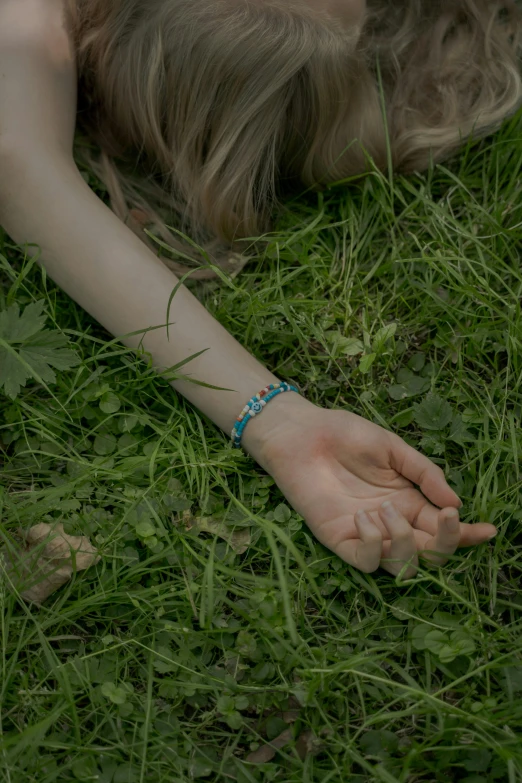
(232,103)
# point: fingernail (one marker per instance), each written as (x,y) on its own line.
(389,509)
(454,524)
(492,535)
(363,518)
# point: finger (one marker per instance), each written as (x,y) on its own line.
(363,553)
(447,538)
(401,549)
(414,466)
(470,535)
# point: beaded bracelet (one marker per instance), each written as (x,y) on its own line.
(255,406)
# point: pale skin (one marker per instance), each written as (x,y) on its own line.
(354,483)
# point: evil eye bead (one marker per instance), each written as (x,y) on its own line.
(255,406)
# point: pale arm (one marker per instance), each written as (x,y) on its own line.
(329,464)
(87,251)
(92,256)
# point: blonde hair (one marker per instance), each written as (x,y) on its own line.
(233,103)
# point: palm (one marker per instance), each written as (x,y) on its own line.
(343,464)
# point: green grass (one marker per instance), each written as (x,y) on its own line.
(176,657)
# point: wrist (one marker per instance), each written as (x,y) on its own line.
(285,410)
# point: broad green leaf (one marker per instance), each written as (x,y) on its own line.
(417,361)
(403,418)
(409,385)
(458,431)
(167,725)
(127,423)
(282,513)
(418,637)
(366,362)
(432,445)
(108,769)
(127,443)
(16,328)
(383,336)
(48,348)
(379,743)
(448,620)
(246,644)
(403,608)
(116,693)
(85,768)
(200,769)
(179,504)
(435,640)
(145,529)
(352,347)
(462,643)
(225,704)
(108,639)
(13,374)
(446,653)
(110,403)
(175,486)
(104,444)
(477,760)
(127,773)
(165,663)
(268,608)
(235,517)
(234,720)
(263,671)
(433,413)
(27,352)
(341,345)
(274,727)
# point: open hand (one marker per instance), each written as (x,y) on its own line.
(353,483)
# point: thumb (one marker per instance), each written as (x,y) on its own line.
(417,468)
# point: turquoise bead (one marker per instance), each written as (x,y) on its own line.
(253,408)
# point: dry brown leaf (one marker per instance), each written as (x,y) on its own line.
(239,539)
(140,216)
(290,716)
(262,755)
(307,745)
(47,560)
(266,753)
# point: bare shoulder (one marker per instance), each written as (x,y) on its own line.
(38,21)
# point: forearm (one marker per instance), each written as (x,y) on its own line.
(85,248)
(92,256)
